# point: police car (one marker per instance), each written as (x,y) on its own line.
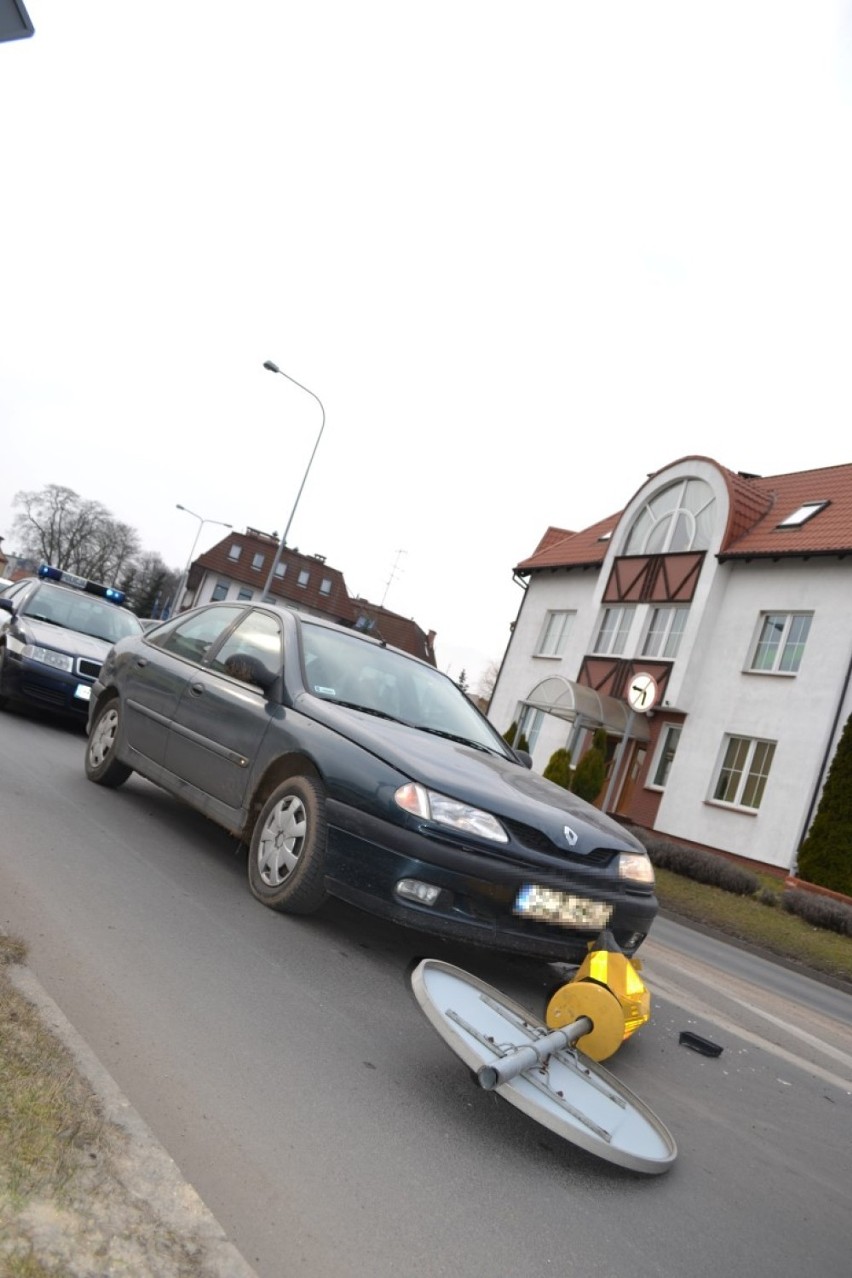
(55,630)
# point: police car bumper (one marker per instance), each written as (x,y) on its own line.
(35,684)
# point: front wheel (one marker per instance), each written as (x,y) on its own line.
(4,699)
(102,766)
(286,860)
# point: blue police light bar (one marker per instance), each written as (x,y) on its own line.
(49,573)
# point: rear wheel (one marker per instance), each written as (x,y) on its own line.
(286,860)
(102,766)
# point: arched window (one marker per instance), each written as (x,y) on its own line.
(679,517)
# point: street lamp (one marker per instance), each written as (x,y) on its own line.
(273,368)
(201,522)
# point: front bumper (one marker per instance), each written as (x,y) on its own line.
(32,683)
(368,857)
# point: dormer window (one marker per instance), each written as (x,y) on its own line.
(801,516)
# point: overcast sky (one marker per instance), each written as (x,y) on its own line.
(524,254)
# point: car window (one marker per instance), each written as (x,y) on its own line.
(254,648)
(192,637)
(340,667)
(84,613)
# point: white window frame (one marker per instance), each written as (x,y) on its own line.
(244,595)
(235,552)
(554,633)
(664,758)
(220,585)
(613,643)
(530,723)
(304,577)
(663,641)
(788,625)
(325,586)
(257,561)
(280,570)
(742,772)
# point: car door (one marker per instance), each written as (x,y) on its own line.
(224,711)
(159,670)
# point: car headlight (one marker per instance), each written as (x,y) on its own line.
(636,867)
(450,812)
(49,657)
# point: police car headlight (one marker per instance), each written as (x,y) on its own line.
(48,657)
(445,811)
(636,867)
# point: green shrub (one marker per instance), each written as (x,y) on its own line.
(559,768)
(825,856)
(523,744)
(511,732)
(590,775)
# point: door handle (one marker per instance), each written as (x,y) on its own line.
(196,689)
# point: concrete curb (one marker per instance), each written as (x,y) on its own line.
(156,1177)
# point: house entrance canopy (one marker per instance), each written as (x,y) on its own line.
(577,703)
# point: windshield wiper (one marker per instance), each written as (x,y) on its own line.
(353,705)
(452,736)
(34,616)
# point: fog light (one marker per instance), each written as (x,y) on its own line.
(415,890)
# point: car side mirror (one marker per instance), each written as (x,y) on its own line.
(7,606)
(523,757)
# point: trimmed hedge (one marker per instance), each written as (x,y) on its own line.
(820,911)
(706,867)
(703,867)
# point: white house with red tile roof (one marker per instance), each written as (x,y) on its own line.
(734,593)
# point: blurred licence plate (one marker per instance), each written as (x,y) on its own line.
(549,905)
(82,691)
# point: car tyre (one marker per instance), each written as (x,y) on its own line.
(4,696)
(286,859)
(102,766)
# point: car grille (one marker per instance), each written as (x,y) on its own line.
(537,841)
(90,669)
(49,696)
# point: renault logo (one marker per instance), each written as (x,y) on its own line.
(570,835)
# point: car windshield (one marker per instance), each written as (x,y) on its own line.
(84,613)
(373,678)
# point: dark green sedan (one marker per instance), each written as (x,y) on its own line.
(351,769)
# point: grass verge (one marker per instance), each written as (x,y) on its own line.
(767,927)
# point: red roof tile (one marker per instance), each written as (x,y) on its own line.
(571,550)
(757,505)
(829,532)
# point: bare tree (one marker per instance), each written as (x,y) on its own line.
(62,528)
(487,680)
(149,584)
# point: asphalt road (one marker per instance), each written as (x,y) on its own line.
(286,1068)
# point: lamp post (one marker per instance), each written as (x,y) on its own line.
(201,522)
(273,368)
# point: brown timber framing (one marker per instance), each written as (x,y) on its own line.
(654,578)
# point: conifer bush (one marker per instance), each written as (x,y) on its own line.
(825,857)
(590,773)
(559,768)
